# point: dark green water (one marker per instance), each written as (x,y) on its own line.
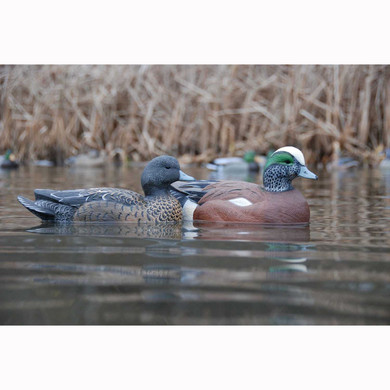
(335,271)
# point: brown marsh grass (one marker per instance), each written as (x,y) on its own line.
(196,112)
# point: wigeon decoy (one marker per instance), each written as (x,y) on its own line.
(248,163)
(385,163)
(8,161)
(115,204)
(92,159)
(278,202)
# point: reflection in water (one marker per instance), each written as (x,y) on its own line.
(199,230)
(335,271)
(163,230)
(252,232)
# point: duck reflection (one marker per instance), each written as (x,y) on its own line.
(169,274)
(203,230)
(283,246)
(229,270)
(272,252)
(168,231)
(209,231)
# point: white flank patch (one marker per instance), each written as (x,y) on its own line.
(294,151)
(188,210)
(242,202)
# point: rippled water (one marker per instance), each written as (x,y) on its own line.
(335,271)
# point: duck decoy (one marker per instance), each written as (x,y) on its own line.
(92,159)
(43,163)
(8,161)
(115,204)
(385,163)
(342,164)
(249,163)
(236,201)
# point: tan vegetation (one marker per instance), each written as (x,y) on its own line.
(197,112)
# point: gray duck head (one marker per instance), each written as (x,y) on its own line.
(159,173)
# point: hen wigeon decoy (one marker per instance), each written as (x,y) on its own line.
(115,204)
(237,201)
(92,159)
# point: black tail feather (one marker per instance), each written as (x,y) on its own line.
(41,212)
(194,190)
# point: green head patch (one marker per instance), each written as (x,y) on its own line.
(280,158)
(249,156)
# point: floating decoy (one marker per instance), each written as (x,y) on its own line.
(115,204)
(237,201)
(8,161)
(43,163)
(342,164)
(92,159)
(385,163)
(248,163)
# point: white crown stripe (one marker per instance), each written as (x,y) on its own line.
(294,152)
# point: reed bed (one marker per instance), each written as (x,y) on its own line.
(196,112)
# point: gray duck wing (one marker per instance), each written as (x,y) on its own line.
(78,197)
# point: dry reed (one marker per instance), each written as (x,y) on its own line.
(195,111)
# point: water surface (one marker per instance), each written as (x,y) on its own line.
(334,271)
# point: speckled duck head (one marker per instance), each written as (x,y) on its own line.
(159,173)
(284,165)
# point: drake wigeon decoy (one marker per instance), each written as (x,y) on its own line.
(115,204)
(249,163)
(8,161)
(237,201)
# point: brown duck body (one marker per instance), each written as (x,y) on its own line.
(267,207)
(236,201)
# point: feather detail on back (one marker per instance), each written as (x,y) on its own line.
(227,190)
(193,190)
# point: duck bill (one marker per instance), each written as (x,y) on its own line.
(304,172)
(185,177)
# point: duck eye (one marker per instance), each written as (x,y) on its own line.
(168,167)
